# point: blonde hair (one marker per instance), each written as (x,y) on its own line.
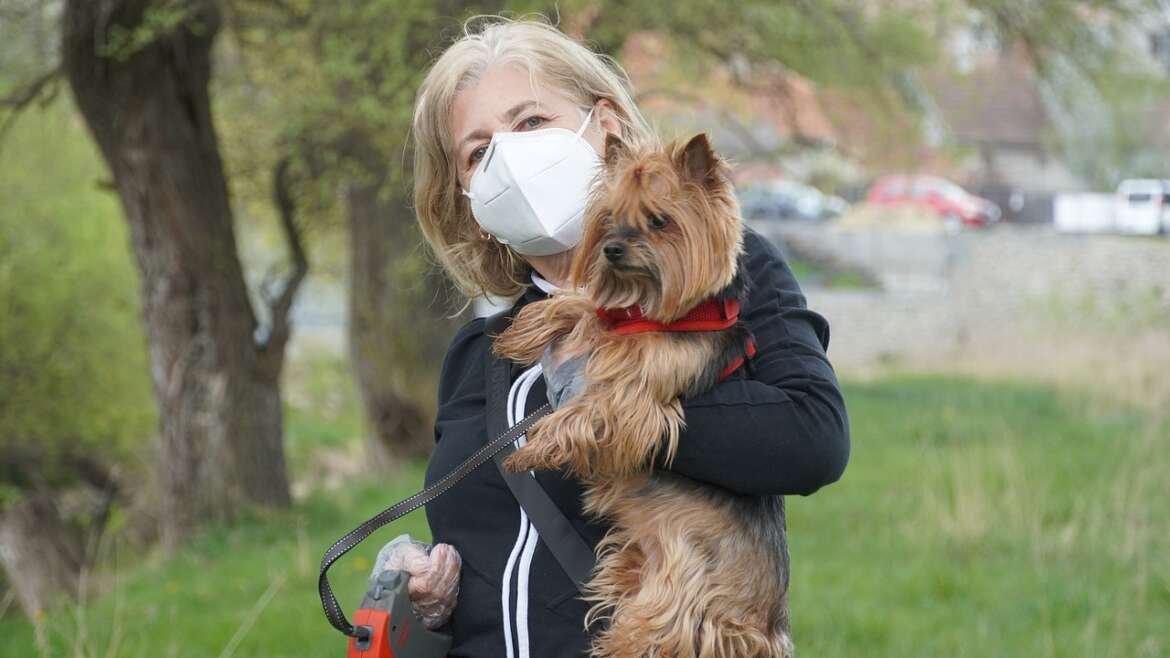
(485,267)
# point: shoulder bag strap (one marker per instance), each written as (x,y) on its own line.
(564,542)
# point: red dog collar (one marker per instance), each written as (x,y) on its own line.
(749,350)
(711,315)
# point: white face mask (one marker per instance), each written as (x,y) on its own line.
(530,188)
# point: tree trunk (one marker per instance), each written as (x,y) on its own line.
(40,553)
(146,102)
(399,303)
(398,327)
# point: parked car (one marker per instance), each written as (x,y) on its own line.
(1143,207)
(953,204)
(1085,212)
(787,199)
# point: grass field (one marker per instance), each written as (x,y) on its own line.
(811,274)
(977,518)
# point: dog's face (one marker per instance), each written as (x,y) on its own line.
(662,230)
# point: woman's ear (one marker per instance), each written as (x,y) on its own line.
(607,118)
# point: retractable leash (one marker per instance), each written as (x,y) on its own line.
(386,625)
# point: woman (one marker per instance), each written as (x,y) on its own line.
(781,429)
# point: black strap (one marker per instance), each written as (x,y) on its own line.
(398,510)
(564,542)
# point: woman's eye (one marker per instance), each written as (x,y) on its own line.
(659,221)
(532,122)
(476,155)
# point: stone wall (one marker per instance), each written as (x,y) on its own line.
(939,293)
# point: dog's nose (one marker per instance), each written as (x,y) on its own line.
(614,251)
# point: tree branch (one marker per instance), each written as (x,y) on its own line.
(42,88)
(281,304)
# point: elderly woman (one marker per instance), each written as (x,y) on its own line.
(782,429)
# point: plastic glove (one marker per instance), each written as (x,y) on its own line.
(564,378)
(434,576)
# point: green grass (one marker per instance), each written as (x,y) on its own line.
(808,273)
(803,269)
(981,519)
(193,605)
(322,408)
(990,519)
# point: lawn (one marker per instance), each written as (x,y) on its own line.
(811,274)
(982,519)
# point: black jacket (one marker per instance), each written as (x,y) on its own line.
(779,428)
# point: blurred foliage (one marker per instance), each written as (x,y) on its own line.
(1085,32)
(1091,62)
(322,409)
(73,373)
(1085,53)
(330,84)
(159,19)
(831,42)
(1109,129)
(29,44)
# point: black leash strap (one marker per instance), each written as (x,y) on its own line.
(398,510)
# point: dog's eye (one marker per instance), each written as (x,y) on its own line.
(659,221)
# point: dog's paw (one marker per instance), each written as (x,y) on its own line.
(569,437)
(514,345)
(524,459)
(556,441)
(530,458)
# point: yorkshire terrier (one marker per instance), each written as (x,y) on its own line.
(687,570)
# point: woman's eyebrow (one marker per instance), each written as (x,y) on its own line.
(506,117)
(473,136)
(516,109)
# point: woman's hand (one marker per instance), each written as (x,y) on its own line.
(434,576)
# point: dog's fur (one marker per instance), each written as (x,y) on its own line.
(687,570)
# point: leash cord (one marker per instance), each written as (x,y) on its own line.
(402,508)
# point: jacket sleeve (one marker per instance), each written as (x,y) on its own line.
(782,429)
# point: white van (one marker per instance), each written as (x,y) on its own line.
(1143,207)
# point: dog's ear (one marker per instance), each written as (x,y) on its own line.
(698,161)
(614,148)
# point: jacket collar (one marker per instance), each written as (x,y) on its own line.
(533,292)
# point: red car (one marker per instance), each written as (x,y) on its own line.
(949,201)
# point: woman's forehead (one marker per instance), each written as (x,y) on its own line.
(500,96)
